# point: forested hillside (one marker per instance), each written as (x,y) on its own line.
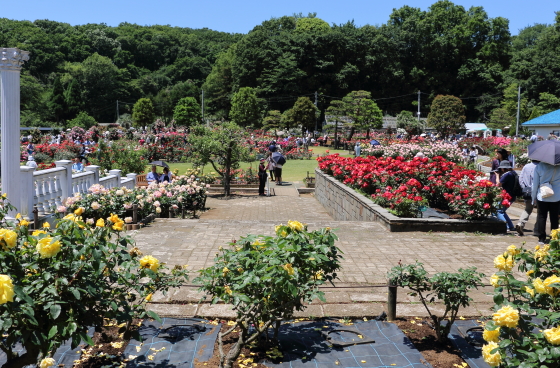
(445,50)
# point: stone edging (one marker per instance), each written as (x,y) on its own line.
(345,204)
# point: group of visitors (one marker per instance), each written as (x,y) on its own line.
(154,177)
(534,176)
(272,163)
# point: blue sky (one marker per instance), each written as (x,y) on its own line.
(242,16)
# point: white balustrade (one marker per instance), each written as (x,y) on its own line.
(48,189)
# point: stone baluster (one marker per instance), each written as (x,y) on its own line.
(11,61)
(118,174)
(65,178)
(40,187)
(58,187)
(27,186)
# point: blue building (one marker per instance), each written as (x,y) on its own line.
(545,124)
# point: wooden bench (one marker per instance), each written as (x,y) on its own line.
(141,180)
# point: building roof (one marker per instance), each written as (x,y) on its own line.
(475,126)
(552,118)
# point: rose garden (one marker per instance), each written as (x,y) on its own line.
(378,246)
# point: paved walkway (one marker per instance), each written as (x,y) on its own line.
(369,252)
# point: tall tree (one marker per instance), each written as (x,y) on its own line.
(362,112)
(220,145)
(447,115)
(245,108)
(143,112)
(56,103)
(305,113)
(336,112)
(187,112)
(272,121)
(407,121)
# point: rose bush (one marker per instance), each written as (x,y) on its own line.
(525,329)
(57,281)
(267,278)
(403,186)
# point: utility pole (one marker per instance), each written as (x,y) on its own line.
(315,117)
(518,106)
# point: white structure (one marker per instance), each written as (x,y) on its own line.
(25,187)
(11,60)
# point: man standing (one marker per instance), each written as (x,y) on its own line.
(262,176)
(526,181)
(153,176)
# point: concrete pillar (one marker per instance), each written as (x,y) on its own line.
(132,176)
(118,174)
(11,60)
(28,190)
(95,170)
(65,179)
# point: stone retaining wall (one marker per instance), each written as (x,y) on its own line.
(345,204)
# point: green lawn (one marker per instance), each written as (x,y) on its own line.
(293,170)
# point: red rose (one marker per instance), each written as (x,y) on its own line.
(486,206)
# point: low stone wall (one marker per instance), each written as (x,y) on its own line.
(345,204)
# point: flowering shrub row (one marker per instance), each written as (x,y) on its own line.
(450,152)
(525,329)
(55,282)
(404,186)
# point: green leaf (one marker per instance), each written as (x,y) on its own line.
(55,311)
(555,352)
(53,331)
(498,298)
(23,296)
(72,327)
(76,293)
(86,338)
(154,316)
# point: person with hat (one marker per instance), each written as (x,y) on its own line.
(508,179)
(31,162)
(262,176)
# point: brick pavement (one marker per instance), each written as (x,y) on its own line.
(369,251)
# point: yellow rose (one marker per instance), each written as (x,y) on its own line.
(149,262)
(283,233)
(503,263)
(225,271)
(6,289)
(491,336)
(38,232)
(552,335)
(258,242)
(319,275)
(79,211)
(276,228)
(48,247)
(530,291)
(74,218)
(100,223)
(227,289)
(513,250)
(495,280)
(47,362)
(493,360)
(114,218)
(530,272)
(296,225)
(552,290)
(506,316)
(46,225)
(240,270)
(539,286)
(8,239)
(540,253)
(555,234)
(288,267)
(118,226)
(149,297)
(23,223)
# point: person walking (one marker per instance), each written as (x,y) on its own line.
(262,176)
(507,182)
(270,167)
(526,182)
(546,175)
(358,149)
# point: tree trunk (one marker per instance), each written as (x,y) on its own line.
(336,135)
(235,350)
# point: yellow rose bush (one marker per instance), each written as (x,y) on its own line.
(57,281)
(525,327)
(268,278)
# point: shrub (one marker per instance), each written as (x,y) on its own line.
(41,158)
(268,278)
(64,155)
(525,329)
(451,288)
(58,281)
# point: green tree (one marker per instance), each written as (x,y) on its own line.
(56,103)
(336,112)
(73,98)
(407,121)
(272,121)
(83,120)
(305,113)
(245,107)
(287,119)
(187,112)
(500,118)
(143,112)
(220,145)
(362,112)
(447,114)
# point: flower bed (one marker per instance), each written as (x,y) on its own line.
(405,186)
(450,152)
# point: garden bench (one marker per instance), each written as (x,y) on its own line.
(141,180)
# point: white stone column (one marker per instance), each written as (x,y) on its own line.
(11,60)
(28,192)
(65,179)
(95,169)
(118,174)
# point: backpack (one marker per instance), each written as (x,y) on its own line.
(517,190)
